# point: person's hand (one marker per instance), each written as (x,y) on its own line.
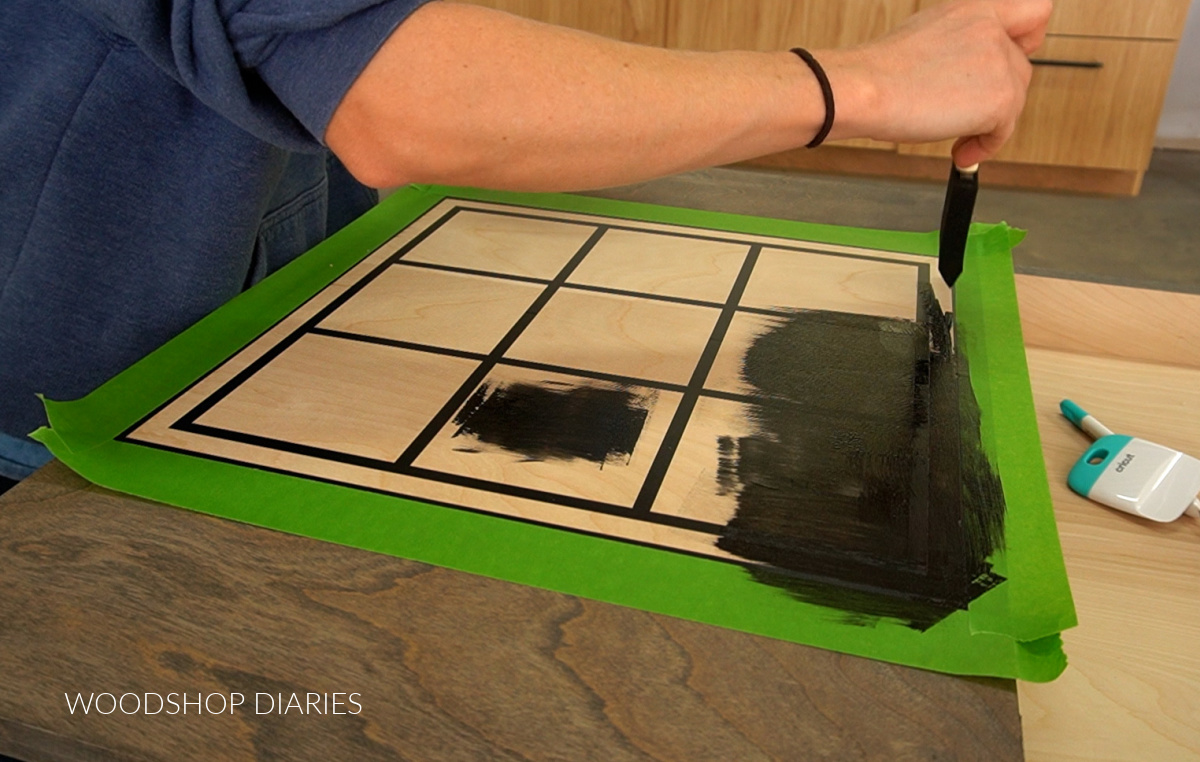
(958,70)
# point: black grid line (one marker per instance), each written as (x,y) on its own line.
(367,338)
(229,386)
(471,271)
(616,225)
(404,465)
(475,379)
(666,451)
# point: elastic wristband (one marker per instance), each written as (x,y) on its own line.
(826,92)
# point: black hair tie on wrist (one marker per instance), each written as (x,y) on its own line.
(826,91)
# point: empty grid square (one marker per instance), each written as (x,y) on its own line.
(436,308)
(785,279)
(343,395)
(664,265)
(619,335)
(503,243)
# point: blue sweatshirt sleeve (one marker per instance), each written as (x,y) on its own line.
(276,68)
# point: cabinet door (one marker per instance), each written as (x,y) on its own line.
(784,24)
(780,24)
(1144,19)
(1103,117)
(642,21)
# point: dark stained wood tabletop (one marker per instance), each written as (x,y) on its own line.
(106,593)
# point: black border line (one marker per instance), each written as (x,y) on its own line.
(367,338)
(444,504)
(658,470)
(457,480)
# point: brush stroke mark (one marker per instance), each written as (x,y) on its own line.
(555,420)
(864,486)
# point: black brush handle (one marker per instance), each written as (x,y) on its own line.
(956,221)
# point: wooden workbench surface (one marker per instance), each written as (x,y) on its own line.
(1132,687)
(107,593)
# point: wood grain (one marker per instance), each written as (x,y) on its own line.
(1146,19)
(803,280)
(659,341)
(641,21)
(445,309)
(348,396)
(1110,321)
(1132,687)
(534,248)
(663,265)
(108,593)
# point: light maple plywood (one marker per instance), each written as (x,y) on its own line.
(445,309)
(802,280)
(378,381)
(535,248)
(348,396)
(694,487)
(606,333)
(1110,321)
(641,21)
(1088,117)
(1132,687)
(1150,19)
(653,263)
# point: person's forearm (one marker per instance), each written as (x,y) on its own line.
(498,101)
(464,95)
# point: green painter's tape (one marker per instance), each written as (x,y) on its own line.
(1010,632)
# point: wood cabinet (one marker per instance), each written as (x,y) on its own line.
(784,24)
(641,21)
(1092,109)
(1095,98)
(780,24)
(1095,103)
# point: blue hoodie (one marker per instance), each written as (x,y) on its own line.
(158,157)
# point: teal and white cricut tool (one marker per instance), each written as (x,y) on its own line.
(1131,474)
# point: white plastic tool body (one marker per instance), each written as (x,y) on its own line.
(1131,474)
(1148,480)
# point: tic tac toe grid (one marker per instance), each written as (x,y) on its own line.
(361,385)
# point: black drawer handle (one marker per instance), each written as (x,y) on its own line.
(1067,64)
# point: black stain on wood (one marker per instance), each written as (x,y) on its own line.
(557,421)
(864,486)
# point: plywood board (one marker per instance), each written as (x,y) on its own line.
(771,432)
(485,310)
